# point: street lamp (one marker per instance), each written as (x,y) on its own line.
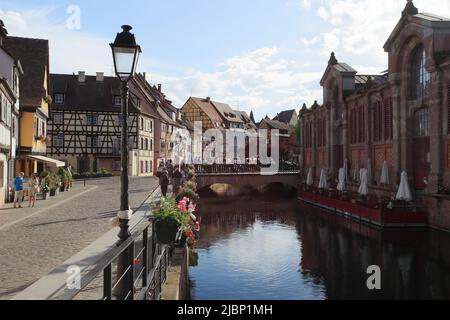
(126,55)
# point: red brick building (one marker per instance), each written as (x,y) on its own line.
(401,116)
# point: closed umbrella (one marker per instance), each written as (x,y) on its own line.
(356,172)
(309,178)
(323,182)
(384,174)
(369,171)
(341,178)
(363,188)
(404,192)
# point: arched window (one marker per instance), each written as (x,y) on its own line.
(420,77)
(422,123)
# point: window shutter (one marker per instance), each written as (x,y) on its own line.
(388,117)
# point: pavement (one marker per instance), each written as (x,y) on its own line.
(36,240)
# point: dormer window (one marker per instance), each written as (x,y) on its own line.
(58,98)
(117,100)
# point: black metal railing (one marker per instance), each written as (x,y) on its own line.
(240,169)
(143,277)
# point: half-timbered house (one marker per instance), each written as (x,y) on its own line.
(84,127)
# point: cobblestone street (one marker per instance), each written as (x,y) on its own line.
(36,240)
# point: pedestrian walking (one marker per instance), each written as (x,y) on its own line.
(163,176)
(176,180)
(34,190)
(164,181)
(18,190)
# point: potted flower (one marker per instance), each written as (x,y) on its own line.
(169,222)
(54,184)
(45,190)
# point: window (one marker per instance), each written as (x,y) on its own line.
(151,144)
(92,142)
(420,77)
(58,118)
(91,120)
(58,140)
(422,123)
(146,144)
(388,118)
(357,125)
(117,100)
(151,126)
(142,124)
(146,166)
(377,122)
(142,166)
(4,107)
(58,98)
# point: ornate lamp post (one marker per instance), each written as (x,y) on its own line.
(126,55)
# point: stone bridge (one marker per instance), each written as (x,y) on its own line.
(242,180)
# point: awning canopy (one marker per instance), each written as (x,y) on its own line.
(48,160)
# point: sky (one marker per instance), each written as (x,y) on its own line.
(260,55)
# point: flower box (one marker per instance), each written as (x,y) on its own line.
(166,232)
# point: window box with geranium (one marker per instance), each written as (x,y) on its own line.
(169,222)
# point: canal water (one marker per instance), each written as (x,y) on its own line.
(253,248)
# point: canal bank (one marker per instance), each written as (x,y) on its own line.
(260,248)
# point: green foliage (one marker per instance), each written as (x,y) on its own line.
(191,194)
(64,175)
(53,181)
(103,173)
(44,174)
(169,211)
(190,185)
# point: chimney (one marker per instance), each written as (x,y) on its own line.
(144,75)
(100,76)
(208,99)
(81,77)
(159,87)
(3,32)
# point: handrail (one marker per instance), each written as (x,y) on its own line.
(106,262)
(155,260)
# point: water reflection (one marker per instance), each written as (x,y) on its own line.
(259,249)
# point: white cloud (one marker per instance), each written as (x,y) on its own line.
(306,4)
(361,27)
(70,50)
(261,80)
(322,13)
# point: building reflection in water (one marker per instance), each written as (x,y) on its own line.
(333,253)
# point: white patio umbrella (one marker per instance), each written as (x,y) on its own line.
(309,178)
(356,174)
(346,169)
(404,192)
(341,178)
(384,174)
(363,188)
(323,182)
(369,171)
